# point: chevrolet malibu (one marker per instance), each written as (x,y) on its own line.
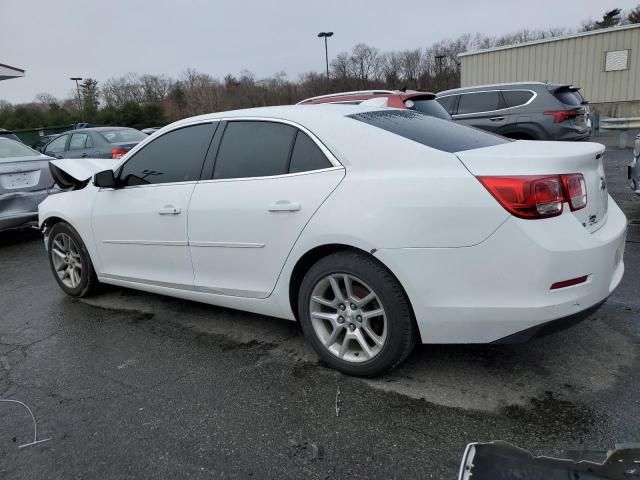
(374,228)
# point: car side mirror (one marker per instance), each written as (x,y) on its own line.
(104,179)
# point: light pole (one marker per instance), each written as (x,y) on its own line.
(77,79)
(326,35)
(440,59)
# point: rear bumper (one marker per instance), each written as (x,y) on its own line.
(20,208)
(493,290)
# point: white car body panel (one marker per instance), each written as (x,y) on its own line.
(262,219)
(137,235)
(472,272)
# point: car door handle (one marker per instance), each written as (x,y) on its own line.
(284,206)
(496,119)
(169,210)
(84,155)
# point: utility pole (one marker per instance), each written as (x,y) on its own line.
(440,60)
(326,35)
(77,79)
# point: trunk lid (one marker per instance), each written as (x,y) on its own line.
(524,157)
(25,174)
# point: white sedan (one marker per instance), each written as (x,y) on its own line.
(374,228)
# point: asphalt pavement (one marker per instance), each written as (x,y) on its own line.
(133,385)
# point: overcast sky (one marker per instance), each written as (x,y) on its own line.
(57,39)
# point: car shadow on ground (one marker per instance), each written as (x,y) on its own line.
(15,237)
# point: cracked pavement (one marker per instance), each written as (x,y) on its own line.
(134,385)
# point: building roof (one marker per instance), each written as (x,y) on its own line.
(551,39)
(7,72)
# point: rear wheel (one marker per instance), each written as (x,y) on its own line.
(356,314)
(70,261)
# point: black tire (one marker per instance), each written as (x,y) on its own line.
(401,331)
(88,279)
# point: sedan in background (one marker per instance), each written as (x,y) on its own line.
(4,133)
(96,142)
(374,228)
(25,181)
(633,169)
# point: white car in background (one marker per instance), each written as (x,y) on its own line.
(375,228)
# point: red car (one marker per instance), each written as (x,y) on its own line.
(424,102)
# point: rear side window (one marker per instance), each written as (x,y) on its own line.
(306,155)
(448,103)
(176,156)
(430,131)
(254,149)
(78,141)
(569,97)
(479,102)
(515,98)
(429,107)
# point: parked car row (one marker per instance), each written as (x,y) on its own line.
(524,111)
(375,228)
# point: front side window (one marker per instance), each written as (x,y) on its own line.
(306,155)
(176,156)
(57,145)
(254,149)
(78,141)
(479,102)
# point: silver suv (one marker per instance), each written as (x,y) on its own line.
(525,110)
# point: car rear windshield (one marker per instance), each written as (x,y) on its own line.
(569,96)
(430,131)
(430,107)
(10,148)
(125,135)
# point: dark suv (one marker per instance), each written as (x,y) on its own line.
(526,111)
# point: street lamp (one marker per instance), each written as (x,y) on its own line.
(326,35)
(77,79)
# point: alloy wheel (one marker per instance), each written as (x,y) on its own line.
(348,317)
(67,261)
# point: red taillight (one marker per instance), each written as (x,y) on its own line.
(527,196)
(537,196)
(117,153)
(568,283)
(560,116)
(576,190)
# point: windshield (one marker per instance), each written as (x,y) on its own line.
(10,148)
(124,135)
(430,107)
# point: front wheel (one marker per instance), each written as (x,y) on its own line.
(70,261)
(355,314)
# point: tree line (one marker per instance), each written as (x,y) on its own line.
(141,101)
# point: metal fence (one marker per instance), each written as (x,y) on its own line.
(29,136)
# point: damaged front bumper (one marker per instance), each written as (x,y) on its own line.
(502,461)
(20,209)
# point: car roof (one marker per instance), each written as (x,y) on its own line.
(531,84)
(303,114)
